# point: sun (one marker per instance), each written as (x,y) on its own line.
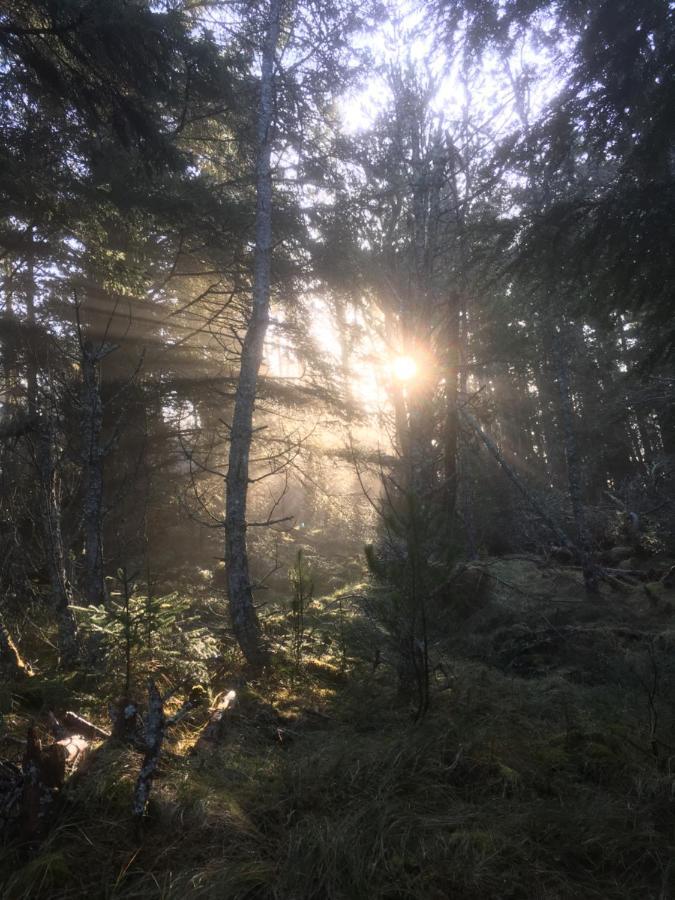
(404,368)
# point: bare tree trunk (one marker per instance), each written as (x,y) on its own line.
(92,463)
(155,727)
(451,436)
(31,369)
(9,341)
(50,517)
(244,619)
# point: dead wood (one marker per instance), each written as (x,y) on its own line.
(197,698)
(214,729)
(124,716)
(78,725)
(155,727)
(44,772)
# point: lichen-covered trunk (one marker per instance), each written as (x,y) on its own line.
(92,466)
(245,622)
(155,727)
(50,517)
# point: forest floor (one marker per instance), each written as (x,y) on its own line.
(542,769)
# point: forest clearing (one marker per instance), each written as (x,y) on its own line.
(337,449)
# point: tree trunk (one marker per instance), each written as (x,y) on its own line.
(92,463)
(30,349)
(155,727)
(244,619)
(451,430)
(50,517)
(574,472)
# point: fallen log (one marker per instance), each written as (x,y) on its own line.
(79,725)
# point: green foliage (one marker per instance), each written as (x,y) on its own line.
(138,632)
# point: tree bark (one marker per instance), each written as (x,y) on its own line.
(245,622)
(451,430)
(30,350)
(574,471)
(155,726)
(50,516)
(92,463)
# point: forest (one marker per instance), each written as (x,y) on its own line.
(337,449)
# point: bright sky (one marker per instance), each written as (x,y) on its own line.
(483,93)
(408,36)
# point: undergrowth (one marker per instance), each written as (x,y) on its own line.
(511,787)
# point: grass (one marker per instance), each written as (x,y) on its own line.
(512,787)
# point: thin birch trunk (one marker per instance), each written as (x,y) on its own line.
(50,510)
(245,622)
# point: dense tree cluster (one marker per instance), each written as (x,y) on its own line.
(337,389)
(187,188)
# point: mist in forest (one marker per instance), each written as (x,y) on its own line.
(337,449)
